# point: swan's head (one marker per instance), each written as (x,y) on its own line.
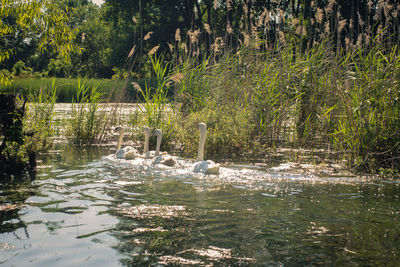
(146,130)
(119,129)
(158,132)
(202,126)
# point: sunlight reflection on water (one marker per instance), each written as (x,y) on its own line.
(113,212)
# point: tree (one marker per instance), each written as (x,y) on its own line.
(26,21)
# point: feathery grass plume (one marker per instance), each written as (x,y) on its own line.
(218,43)
(351,25)
(153,50)
(207,28)
(177,77)
(359,39)
(171,47)
(281,15)
(229,28)
(379,31)
(215,4)
(370,4)
(132,51)
(319,16)
(299,30)
(137,87)
(282,37)
(347,42)
(184,47)
(360,20)
(83,37)
(134,19)
(262,17)
(147,37)
(193,36)
(329,8)
(387,8)
(178,35)
(342,24)
(246,40)
(229,4)
(367,39)
(266,19)
(295,22)
(327,27)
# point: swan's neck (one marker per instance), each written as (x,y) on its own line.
(200,152)
(158,145)
(146,143)
(121,135)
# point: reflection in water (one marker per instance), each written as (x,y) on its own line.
(83,209)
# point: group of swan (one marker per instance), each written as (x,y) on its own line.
(157,157)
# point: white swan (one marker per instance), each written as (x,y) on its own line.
(127,152)
(204,166)
(162,158)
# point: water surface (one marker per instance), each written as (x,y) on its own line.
(83,209)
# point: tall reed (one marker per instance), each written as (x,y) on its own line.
(88,122)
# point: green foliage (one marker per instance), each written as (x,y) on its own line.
(40,118)
(88,122)
(43,21)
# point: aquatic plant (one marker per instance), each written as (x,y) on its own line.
(88,122)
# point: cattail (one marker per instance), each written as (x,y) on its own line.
(207,28)
(342,24)
(147,37)
(137,87)
(132,51)
(153,50)
(178,35)
(320,15)
(134,19)
(177,77)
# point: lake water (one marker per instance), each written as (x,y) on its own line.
(85,209)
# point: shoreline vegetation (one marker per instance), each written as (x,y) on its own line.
(323,80)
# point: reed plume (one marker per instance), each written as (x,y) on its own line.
(147,36)
(132,51)
(178,35)
(153,50)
